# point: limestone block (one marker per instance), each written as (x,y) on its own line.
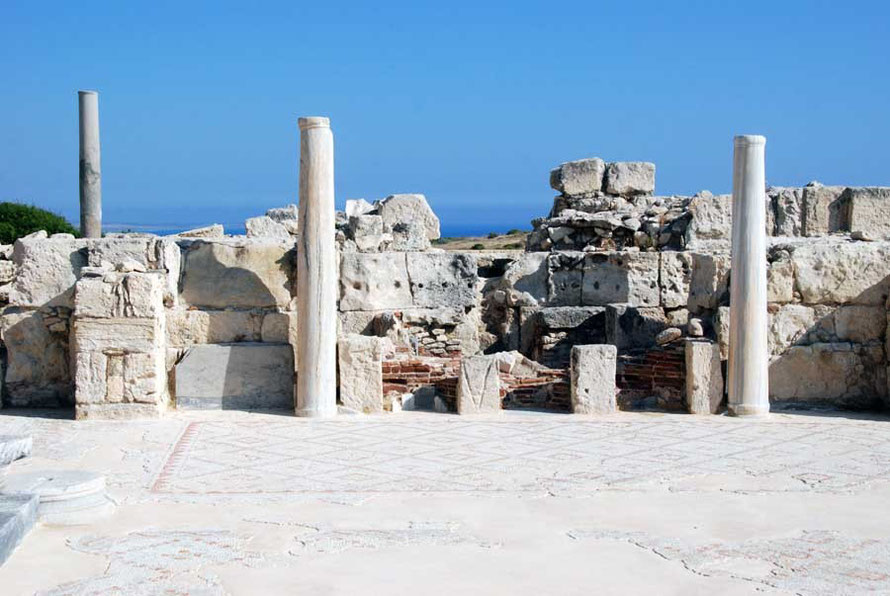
(361,372)
(356,207)
(838,374)
(676,277)
(363,226)
(169,260)
(630,178)
(843,273)
(279,327)
(566,277)
(626,277)
(237,273)
(47,270)
(117,295)
(374,282)
(709,284)
(265,227)
(789,325)
(704,377)
(119,411)
(131,335)
(214,231)
(721,328)
(780,280)
(860,324)
(187,327)
(593,373)
(869,211)
(788,205)
(711,218)
(116,250)
(579,178)
(144,377)
(288,216)
(478,386)
(442,279)
(7,272)
(37,370)
(236,376)
(825,209)
(91,378)
(526,279)
(406,208)
(629,327)
(409,236)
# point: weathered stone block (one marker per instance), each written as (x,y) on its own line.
(405,208)
(788,205)
(37,369)
(711,218)
(236,376)
(869,212)
(47,270)
(676,278)
(133,335)
(704,377)
(839,374)
(478,386)
(212,231)
(789,325)
(361,372)
(593,372)
(843,273)
(860,324)
(409,237)
(579,178)
(374,282)
(117,295)
(266,227)
(526,280)
(238,273)
(187,327)
(442,279)
(629,327)
(629,277)
(825,209)
(709,285)
(630,178)
(566,277)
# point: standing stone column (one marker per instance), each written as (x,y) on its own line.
(748,352)
(316,273)
(90,167)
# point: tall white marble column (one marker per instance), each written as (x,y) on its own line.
(90,166)
(748,352)
(316,273)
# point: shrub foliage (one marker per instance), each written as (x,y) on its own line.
(17,220)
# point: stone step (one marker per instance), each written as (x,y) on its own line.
(13,447)
(67,497)
(239,376)
(18,514)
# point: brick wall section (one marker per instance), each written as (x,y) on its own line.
(407,373)
(658,373)
(549,390)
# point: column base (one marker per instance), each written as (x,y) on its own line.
(748,410)
(314,413)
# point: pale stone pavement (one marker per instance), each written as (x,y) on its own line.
(423,503)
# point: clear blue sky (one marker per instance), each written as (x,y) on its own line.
(471,104)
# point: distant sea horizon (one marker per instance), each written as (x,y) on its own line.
(448,231)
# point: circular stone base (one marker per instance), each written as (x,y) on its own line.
(67,497)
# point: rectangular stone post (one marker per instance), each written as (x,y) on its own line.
(90,166)
(316,273)
(704,379)
(748,352)
(593,371)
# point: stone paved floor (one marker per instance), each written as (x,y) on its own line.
(422,503)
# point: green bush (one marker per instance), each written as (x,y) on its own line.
(493,234)
(17,220)
(477,247)
(513,232)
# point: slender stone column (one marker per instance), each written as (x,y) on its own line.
(748,352)
(90,167)
(316,273)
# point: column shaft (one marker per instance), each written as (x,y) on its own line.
(316,273)
(748,352)
(90,166)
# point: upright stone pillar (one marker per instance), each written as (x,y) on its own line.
(748,352)
(90,167)
(316,273)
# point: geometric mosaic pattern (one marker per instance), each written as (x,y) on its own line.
(554,454)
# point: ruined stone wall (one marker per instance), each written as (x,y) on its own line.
(613,264)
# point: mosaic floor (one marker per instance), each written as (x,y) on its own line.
(240,503)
